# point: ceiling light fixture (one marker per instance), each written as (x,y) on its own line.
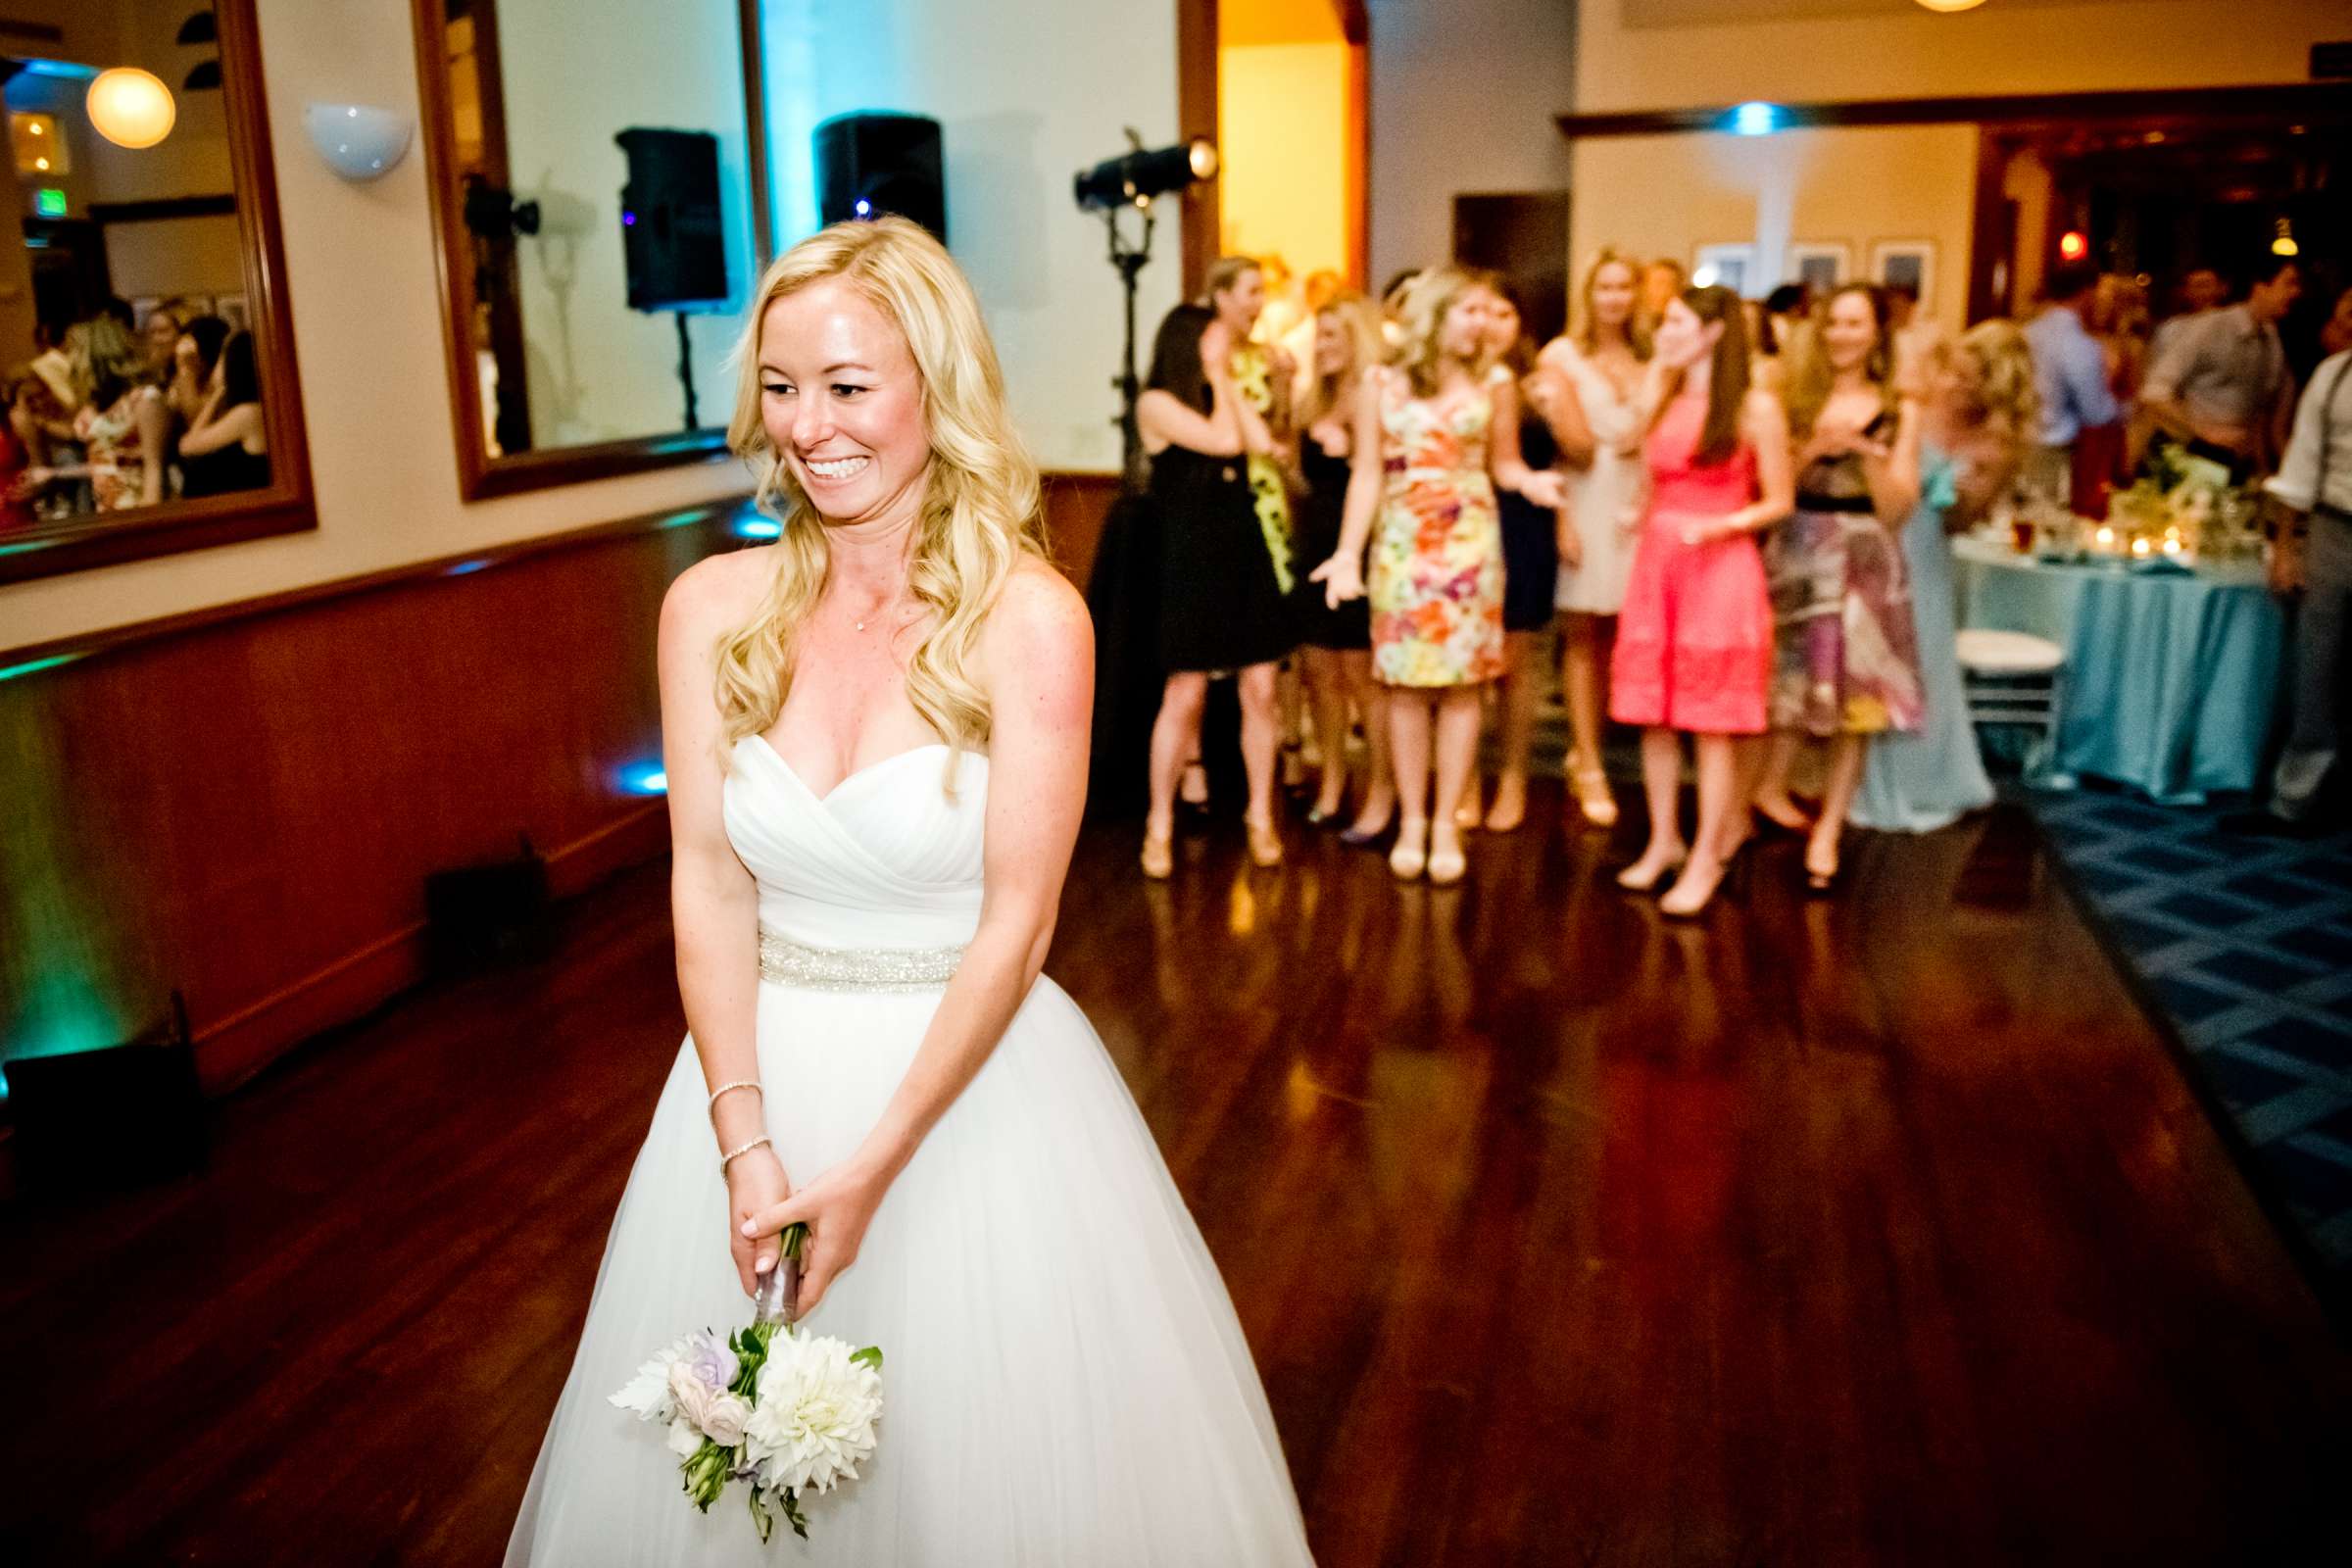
(131,108)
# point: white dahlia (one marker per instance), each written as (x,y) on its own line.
(814,1422)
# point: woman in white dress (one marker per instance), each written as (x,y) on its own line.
(875,735)
(1602,366)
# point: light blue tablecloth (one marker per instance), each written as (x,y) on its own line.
(2172,679)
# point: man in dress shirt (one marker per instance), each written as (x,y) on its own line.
(2313,559)
(2222,385)
(2200,291)
(2070,371)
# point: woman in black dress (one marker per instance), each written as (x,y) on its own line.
(1221,606)
(227,445)
(1336,652)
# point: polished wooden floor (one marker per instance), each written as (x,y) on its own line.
(1876,1231)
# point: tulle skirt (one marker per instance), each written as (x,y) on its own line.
(1064,1379)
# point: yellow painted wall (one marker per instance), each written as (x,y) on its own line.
(1892,183)
(1281,124)
(1664,195)
(1901,50)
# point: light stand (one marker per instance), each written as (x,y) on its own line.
(1129,260)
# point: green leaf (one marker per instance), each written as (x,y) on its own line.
(761,1519)
(794,1237)
(871,1356)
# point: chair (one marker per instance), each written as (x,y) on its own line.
(2012,677)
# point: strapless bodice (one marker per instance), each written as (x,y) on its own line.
(885,858)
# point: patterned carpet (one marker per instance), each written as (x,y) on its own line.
(2246,944)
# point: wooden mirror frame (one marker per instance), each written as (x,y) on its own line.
(480,476)
(103,539)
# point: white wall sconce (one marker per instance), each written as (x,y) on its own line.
(358,142)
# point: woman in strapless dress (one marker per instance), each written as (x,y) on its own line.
(875,736)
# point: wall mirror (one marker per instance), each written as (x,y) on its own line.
(149,367)
(600,210)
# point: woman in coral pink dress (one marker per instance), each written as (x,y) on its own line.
(1695,650)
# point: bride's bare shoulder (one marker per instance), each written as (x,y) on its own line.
(715,593)
(1039,620)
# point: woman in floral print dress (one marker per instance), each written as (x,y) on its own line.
(1433,440)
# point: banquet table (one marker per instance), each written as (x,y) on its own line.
(2172,678)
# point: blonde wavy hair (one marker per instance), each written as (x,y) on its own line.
(1359,319)
(979,517)
(1421,317)
(1998,391)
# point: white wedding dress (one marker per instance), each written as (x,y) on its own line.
(1064,1382)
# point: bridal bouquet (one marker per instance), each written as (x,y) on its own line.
(784,1414)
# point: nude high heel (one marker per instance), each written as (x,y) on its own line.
(1410,856)
(1265,844)
(1593,797)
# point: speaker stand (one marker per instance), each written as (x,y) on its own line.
(686,371)
(1129,260)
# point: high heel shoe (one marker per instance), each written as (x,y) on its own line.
(1192,789)
(1820,884)
(1160,856)
(1509,810)
(1773,822)
(1682,904)
(1410,856)
(1265,844)
(1467,815)
(1363,838)
(1448,864)
(1632,881)
(1593,797)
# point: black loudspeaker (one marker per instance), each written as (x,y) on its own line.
(672,232)
(871,164)
(111,1117)
(482,914)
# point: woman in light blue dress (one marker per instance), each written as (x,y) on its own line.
(1983,395)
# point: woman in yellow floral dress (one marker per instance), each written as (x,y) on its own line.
(1433,439)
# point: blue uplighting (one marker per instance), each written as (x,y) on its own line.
(865,208)
(1755,119)
(756,527)
(465,567)
(628,220)
(63,70)
(644,779)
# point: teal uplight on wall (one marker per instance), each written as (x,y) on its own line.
(1755,118)
(48,202)
(644,779)
(759,527)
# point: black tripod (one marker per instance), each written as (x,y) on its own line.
(1129,260)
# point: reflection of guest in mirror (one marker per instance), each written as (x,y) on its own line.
(159,337)
(16,455)
(123,424)
(226,447)
(194,355)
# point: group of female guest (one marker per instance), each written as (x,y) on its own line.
(1723,561)
(104,418)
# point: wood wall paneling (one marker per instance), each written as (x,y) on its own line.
(246,809)
(243,801)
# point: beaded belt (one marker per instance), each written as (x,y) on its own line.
(789,963)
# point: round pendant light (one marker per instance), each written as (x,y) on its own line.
(131,108)
(1951,5)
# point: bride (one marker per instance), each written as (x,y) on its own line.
(876,733)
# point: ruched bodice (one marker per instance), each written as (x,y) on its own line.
(885,859)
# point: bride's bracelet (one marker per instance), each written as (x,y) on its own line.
(727,1089)
(732,1155)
